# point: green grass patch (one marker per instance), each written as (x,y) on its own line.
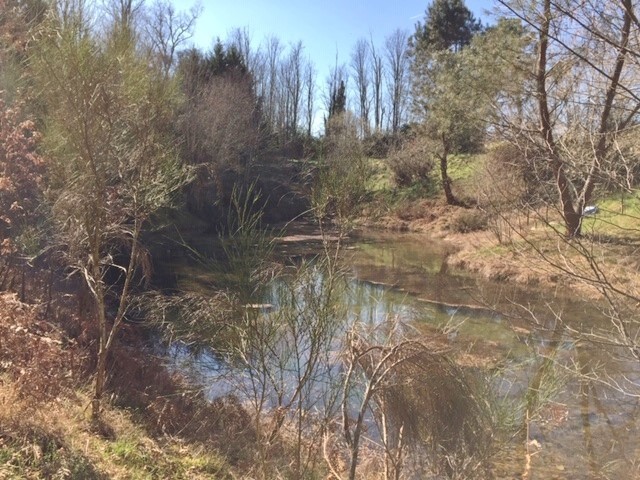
(381,178)
(618,216)
(146,462)
(130,453)
(463,166)
(381,186)
(494,251)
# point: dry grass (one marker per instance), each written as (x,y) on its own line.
(54,441)
(45,429)
(36,356)
(166,405)
(538,254)
(151,429)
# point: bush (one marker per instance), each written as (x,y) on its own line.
(470,220)
(512,176)
(412,164)
(379,145)
(21,173)
(35,354)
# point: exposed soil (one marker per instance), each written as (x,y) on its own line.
(425,216)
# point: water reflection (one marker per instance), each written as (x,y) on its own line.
(570,396)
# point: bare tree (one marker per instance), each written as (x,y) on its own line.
(240,39)
(125,13)
(397,60)
(377,77)
(578,128)
(360,68)
(78,14)
(581,99)
(166,30)
(221,135)
(272,57)
(284,83)
(309,87)
(291,72)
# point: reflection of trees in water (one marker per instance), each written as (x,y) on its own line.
(608,421)
(410,394)
(596,434)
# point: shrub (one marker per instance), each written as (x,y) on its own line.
(21,173)
(36,453)
(470,220)
(341,179)
(379,145)
(35,354)
(512,176)
(412,164)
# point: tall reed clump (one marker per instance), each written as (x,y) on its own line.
(286,347)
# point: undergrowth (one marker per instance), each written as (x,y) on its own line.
(45,430)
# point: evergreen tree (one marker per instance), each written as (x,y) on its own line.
(225,61)
(449,25)
(338,103)
(441,79)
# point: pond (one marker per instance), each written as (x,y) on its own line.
(526,340)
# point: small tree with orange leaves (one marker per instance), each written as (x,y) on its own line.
(21,174)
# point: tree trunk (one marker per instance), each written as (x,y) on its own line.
(605,127)
(94,282)
(571,216)
(101,374)
(573,224)
(446,180)
(101,367)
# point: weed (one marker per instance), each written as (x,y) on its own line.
(31,352)
(412,165)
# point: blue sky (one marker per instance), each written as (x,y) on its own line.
(324,26)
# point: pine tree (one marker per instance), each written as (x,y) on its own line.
(449,25)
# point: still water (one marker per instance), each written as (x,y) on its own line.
(587,428)
(528,340)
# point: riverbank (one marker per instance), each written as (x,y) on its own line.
(157,427)
(151,427)
(528,248)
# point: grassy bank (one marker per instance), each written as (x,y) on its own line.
(52,440)
(45,429)
(499,238)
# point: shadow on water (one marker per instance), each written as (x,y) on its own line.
(583,423)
